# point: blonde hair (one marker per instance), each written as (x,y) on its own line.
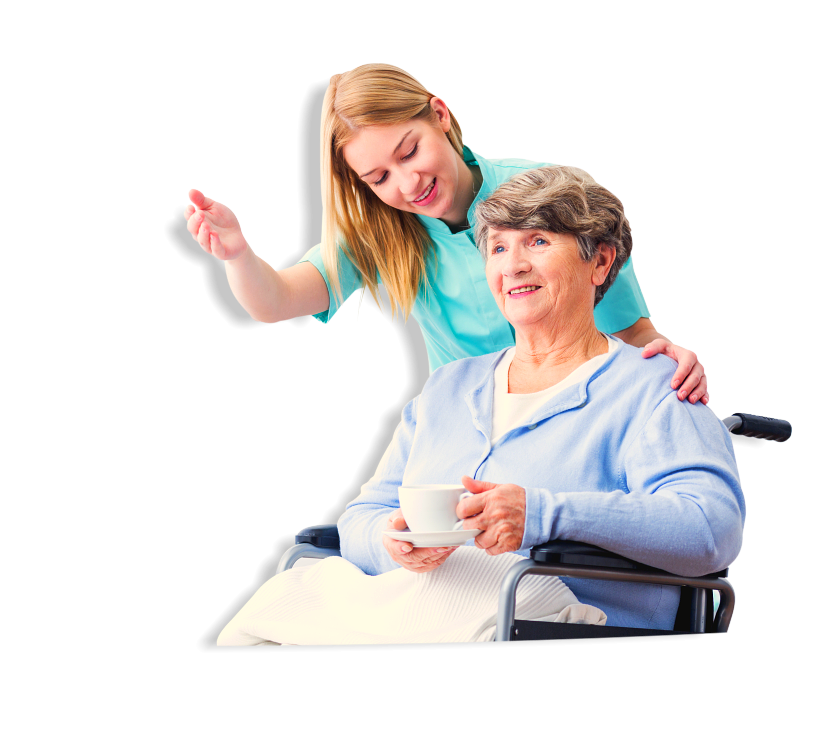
(382,242)
(560,199)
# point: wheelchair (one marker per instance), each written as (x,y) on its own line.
(562,558)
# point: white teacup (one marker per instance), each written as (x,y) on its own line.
(431,508)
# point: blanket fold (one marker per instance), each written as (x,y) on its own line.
(334,602)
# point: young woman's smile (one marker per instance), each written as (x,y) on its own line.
(428,195)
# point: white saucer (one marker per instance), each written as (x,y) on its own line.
(439,538)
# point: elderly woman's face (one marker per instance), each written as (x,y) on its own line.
(536,276)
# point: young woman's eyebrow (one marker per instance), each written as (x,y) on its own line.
(401,142)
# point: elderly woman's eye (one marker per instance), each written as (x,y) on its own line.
(540,241)
(497,249)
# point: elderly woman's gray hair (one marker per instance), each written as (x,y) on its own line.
(563,200)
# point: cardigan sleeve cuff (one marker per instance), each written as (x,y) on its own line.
(541,510)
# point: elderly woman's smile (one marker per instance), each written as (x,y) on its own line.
(524,289)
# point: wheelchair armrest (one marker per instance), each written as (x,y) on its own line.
(578,553)
(315,542)
(323,537)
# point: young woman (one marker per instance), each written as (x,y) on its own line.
(399,189)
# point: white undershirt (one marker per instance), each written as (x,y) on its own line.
(511,410)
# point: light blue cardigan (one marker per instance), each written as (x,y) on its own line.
(616,461)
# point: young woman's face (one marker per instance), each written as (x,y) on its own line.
(412,167)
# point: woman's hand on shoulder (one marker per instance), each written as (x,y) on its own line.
(689,379)
(214,227)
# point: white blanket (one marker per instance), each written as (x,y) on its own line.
(334,602)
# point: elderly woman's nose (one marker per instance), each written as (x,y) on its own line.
(516,262)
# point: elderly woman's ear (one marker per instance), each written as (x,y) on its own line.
(603,262)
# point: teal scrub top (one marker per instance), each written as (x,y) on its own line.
(458,315)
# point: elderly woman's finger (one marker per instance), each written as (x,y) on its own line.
(395,522)
(397,547)
(491,544)
(412,558)
(400,551)
(425,560)
(486,540)
(471,506)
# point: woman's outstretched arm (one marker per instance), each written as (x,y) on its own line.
(267,295)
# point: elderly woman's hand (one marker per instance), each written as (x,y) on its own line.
(689,379)
(405,554)
(498,510)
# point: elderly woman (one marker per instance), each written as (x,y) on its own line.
(570,434)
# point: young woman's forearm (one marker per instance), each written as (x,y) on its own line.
(273,296)
(256,285)
(640,334)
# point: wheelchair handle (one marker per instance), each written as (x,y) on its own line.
(759,427)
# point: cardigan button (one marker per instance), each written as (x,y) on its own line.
(532,426)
